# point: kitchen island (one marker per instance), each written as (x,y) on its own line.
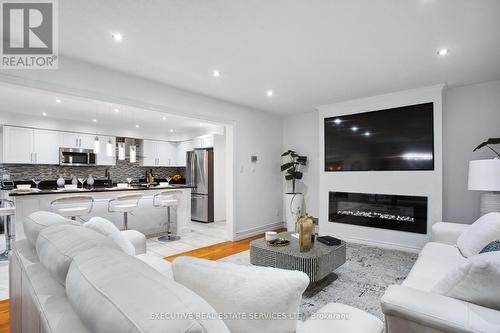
(146,218)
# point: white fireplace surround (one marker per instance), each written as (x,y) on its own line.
(418,183)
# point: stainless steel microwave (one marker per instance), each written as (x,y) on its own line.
(76,156)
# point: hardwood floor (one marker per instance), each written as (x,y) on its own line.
(212,252)
(4,316)
(220,250)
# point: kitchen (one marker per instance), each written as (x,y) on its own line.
(49,153)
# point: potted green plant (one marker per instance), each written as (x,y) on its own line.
(293,200)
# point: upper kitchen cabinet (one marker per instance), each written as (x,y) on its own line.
(102,158)
(149,153)
(167,154)
(204,142)
(158,153)
(182,149)
(17,145)
(77,140)
(30,146)
(46,146)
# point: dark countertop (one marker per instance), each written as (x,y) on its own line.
(100,189)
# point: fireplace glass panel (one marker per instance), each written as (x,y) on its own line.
(395,212)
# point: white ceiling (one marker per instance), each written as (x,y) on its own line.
(309,52)
(42,106)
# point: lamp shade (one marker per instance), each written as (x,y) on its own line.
(484,175)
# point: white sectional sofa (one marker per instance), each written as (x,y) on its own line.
(414,306)
(66,278)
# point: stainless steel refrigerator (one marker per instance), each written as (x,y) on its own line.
(200,175)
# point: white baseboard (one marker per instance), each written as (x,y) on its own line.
(385,245)
(258,230)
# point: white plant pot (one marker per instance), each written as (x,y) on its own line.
(294,205)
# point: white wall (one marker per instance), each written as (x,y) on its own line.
(258,191)
(471,114)
(219,178)
(420,183)
(300,133)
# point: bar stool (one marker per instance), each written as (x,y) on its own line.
(124,204)
(73,206)
(6,213)
(167,199)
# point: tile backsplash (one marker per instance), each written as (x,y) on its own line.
(119,172)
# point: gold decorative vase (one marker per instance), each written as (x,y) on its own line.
(306,228)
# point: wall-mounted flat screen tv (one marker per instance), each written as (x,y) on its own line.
(387,140)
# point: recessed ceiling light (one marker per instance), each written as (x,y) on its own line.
(117,110)
(137,126)
(94,120)
(171,130)
(367,134)
(270,93)
(58,101)
(337,121)
(354,128)
(442,52)
(164,118)
(117,37)
(44,114)
(217,73)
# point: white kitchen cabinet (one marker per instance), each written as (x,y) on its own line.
(159,153)
(102,157)
(149,153)
(30,146)
(203,142)
(70,140)
(17,145)
(46,146)
(77,140)
(207,142)
(182,149)
(87,141)
(167,154)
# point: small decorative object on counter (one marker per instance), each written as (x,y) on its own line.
(90,181)
(306,226)
(271,235)
(278,242)
(74,181)
(176,178)
(60,181)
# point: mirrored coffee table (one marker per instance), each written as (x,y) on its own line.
(317,263)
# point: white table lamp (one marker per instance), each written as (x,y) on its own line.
(484,175)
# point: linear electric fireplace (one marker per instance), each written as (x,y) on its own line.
(395,212)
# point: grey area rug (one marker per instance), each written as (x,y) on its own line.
(360,282)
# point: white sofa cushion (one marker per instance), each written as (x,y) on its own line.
(434,262)
(341,318)
(137,239)
(37,221)
(161,265)
(114,292)
(248,290)
(57,245)
(108,229)
(485,230)
(476,281)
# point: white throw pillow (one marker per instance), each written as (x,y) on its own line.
(247,290)
(485,230)
(114,292)
(37,221)
(57,245)
(108,229)
(477,281)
